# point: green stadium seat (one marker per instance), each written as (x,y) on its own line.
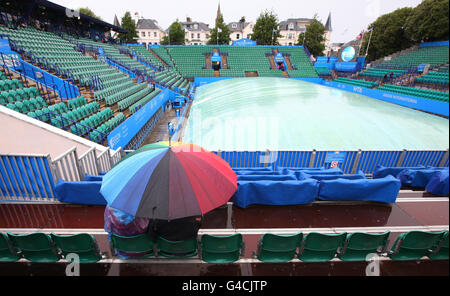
(132,244)
(35,247)
(221,249)
(359,245)
(278,248)
(318,247)
(414,245)
(83,244)
(176,249)
(7,252)
(441,251)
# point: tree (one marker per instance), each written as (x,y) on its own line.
(314,37)
(428,21)
(128,24)
(176,34)
(89,12)
(388,35)
(224,35)
(266,29)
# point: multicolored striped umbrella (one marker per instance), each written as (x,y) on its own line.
(159,181)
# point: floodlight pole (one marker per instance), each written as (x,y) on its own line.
(368,44)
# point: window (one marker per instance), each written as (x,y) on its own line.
(195,26)
(192,36)
(207,36)
(198,35)
(143,34)
(234,26)
(291,26)
(155,34)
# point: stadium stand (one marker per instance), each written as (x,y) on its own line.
(272,247)
(363,83)
(434,55)
(416,92)
(77,116)
(190,61)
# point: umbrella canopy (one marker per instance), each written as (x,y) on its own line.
(162,182)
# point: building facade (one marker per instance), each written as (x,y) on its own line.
(240,30)
(291,29)
(197,33)
(149,32)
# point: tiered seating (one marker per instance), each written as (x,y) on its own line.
(14,96)
(323,71)
(144,101)
(299,60)
(362,83)
(190,61)
(92,121)
(162,53)
(416,92)
(380,73)
(121,95)
(441,78)
(435,56)
(61,52)
(250,58)
(272,248)
(125,103)
(144,53)
(107,127)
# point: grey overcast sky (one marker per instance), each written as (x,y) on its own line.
(348,17)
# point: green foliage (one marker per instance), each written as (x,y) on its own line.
(177,35)
(263,31)
(405,27)
(89,12)
(128,24)
(223,37)
(314,37)
(429,21)
(388,34)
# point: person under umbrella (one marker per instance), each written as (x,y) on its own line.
(174,185)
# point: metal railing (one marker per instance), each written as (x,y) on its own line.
(353,161)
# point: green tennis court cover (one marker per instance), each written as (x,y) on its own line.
(255,114)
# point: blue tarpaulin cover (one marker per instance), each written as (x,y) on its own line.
(253,169)
(418,178)
(84,192)
(439,183)
(380,190)
(91,178)
(275,193)
(266,177)
(381,171)
(269,173)
(320,177)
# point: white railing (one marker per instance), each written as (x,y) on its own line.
(29,177)
(67,166)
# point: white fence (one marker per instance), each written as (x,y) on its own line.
(34,177)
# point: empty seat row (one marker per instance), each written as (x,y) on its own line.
(7,84)
(312,247)
(26,106)
(16,95)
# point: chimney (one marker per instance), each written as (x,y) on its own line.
(188,19)
(242,20)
